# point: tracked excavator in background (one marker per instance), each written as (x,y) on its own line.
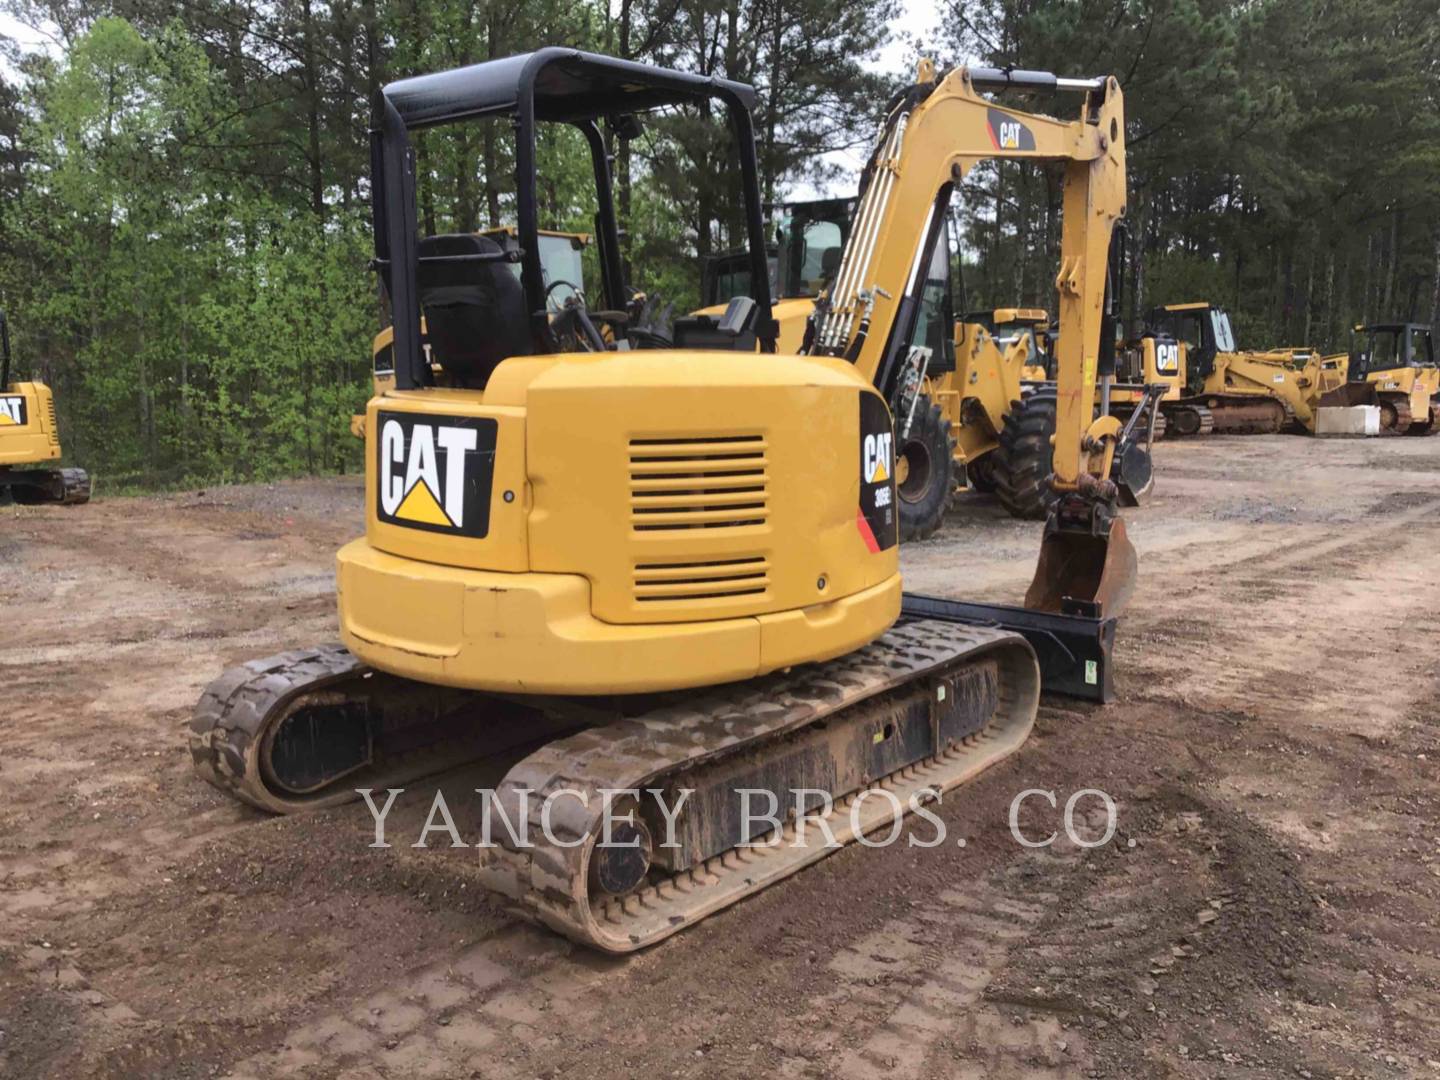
(29,438)
(1396,362)
(658,558)
(892,308)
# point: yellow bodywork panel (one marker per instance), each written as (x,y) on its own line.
(792,315)
(621,522)
(1419,384)
(27,424)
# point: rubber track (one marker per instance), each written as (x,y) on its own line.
(549,881)
(230,716)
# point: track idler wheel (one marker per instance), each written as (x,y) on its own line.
(1087,564)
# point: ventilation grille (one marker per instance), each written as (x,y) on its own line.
(716,579)
(704,482)
(54,427)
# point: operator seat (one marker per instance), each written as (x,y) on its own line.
(474,309)
(829,265)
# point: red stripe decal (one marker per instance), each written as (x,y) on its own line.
(866,532)
(991,132)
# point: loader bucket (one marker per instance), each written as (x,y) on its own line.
(1083,571)
(1349,394)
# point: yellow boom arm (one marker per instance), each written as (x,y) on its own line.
(936,132)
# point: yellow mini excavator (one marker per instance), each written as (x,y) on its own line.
(688,554)
(29,437)
(1398,361)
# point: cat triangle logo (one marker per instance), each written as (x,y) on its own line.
(420,505)
(881,474)
(5,420)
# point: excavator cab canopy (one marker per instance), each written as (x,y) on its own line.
(1387,346)
(477,314)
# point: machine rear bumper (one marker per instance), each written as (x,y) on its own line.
(532,633)
(28,448)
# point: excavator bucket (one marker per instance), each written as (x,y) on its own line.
(1083,571)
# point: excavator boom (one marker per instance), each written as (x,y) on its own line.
(936,132)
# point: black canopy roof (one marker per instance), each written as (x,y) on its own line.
(567,85)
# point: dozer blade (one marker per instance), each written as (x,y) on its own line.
(1084,569)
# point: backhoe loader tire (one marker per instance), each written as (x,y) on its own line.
(1025,458)
(924,463)
(980,476)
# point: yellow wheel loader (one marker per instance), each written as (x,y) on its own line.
(29,438)
(1398,361)
(686,556)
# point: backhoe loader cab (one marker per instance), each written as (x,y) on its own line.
(803,251)
(1398,360)
(30,437)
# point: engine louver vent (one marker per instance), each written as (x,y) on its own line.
(699,482)
(714,579)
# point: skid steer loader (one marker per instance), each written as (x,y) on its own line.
(687,555)
(29,438)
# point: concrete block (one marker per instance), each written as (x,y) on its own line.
(1356,421)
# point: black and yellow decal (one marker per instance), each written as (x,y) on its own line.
(435,472)
(12,411)
(876,518)
(1007,133)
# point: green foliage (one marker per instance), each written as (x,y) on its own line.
(184,206)
(1282,157)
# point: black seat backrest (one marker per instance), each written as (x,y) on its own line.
(475,313)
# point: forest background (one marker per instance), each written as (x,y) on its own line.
(184,219)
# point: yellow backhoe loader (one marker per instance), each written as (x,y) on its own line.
(687,553)
(29,438)
(809,236)
(1398,361)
